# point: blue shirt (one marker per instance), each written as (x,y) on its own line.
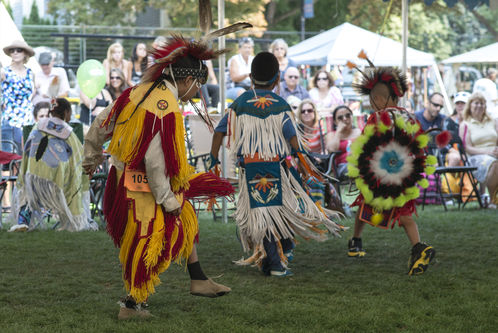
(299,92)
(436,123)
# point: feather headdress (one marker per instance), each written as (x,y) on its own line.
(178,47)
(393,78)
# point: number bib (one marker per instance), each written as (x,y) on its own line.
(136,180)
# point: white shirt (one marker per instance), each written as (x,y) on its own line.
(46,87)
(488,88)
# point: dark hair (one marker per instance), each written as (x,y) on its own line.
(59,110)
(334,126)
(38,107)
(434,94)
(329,77)
(264,69)
(123,86)
(134,57)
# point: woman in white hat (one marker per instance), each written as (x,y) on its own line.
(17,91)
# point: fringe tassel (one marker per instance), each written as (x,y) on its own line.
(119,104)
(297,215)
(115,206)
(40,194)
(252,134)
(206,185)
(144,258)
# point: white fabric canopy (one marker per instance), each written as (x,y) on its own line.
(8,35)
(487,53)
(342,43)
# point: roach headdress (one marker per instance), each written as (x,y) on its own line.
(393,78)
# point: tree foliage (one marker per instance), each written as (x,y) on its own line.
(436,28)
(34,17)
(91,12)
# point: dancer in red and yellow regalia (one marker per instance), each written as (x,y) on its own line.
(146,203)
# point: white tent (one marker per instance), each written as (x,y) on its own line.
(8,35)
(484,54)
(342,43)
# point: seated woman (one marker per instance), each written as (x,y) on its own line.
(311,127)
(51,177)
(137,64)
(115,59)
(479,134)
(118,83)
(239,69)
(40,111)
(91,107)
(341,138)
(279,49)
(325,94)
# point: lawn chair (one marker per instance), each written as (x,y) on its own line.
(199,140)
(11,161)
(441,174)
(97,189)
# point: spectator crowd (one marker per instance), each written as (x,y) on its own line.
(324,117)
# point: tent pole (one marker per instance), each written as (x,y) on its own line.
(440,82)
(221,80)
(404,19)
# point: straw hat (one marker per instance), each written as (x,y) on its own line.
(19,44)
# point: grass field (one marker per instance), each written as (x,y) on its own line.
(70,282)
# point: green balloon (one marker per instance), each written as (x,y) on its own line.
(91,77)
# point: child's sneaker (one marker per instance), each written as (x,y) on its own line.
(282,273)
(18,228)
(355,248)
(422,254)
(290,255)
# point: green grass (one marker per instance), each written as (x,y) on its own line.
(70,282)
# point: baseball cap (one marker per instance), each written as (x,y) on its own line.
(461,96)
(45,58)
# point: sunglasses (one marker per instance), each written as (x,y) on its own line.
(437,105)
(115,78)
(303,111)
(16,50)
(293,77)
(322,79)
(343,117)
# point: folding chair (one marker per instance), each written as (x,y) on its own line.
(97,189)
(441,173)
(11,162)
(198,144)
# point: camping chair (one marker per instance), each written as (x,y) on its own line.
(325,163)
(11,161)
(97,189)
(441,174)
(199,147)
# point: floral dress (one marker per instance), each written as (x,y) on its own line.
(16,96)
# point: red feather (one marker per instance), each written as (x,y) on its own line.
(370,84)
(385,118)
(443,138)
(395,89)
(386,77)
(176,48)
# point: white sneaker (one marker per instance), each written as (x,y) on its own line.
(18,227)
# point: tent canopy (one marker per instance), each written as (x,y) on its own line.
(484,54)
(342,43)
(8,35)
